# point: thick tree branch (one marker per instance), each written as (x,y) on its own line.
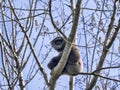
(58,69)
(110,27)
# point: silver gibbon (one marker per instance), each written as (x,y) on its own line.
(74,63)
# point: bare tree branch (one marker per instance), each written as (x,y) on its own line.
(106,47)
(51,17)
(31,47)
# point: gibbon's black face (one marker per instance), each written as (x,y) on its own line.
(58,44)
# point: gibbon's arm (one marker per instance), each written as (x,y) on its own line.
(54,61)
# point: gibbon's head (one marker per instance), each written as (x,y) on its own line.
(58,44)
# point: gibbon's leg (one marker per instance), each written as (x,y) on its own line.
(74,63)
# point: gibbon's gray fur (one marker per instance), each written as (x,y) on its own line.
(74,63)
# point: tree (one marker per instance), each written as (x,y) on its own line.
(27,27)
